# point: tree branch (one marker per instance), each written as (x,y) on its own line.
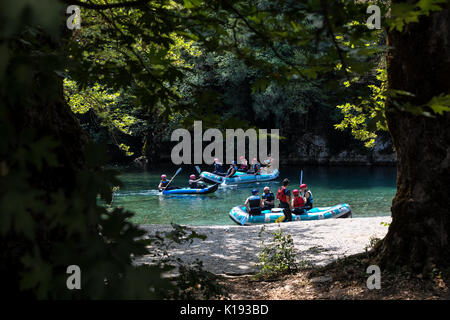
(90,5)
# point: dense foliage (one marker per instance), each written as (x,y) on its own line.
(239,81)
(277,257)
(132,65)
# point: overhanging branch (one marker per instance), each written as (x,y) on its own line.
(106,6)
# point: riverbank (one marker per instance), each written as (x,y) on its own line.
(233,250)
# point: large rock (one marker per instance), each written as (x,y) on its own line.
(315,149)
(350,157)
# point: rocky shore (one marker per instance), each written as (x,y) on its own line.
(233,250)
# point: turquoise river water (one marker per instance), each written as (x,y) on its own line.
(368,190)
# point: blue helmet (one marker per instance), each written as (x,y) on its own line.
(255,191)
(234,162)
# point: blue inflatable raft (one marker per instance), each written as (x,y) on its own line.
(239,214)
(209,189)
(240,177)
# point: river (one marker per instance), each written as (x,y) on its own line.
(368,190)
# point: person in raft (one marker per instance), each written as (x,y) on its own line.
(232,169)
(266,164)
(195,184)
(298,203)
(163,183)
(268,199)
(244,164)
(256,167)
(254,203)
(218,167)
(306,193)
(284,196)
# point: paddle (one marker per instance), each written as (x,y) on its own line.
(280,219)
(178,171)
(301,177)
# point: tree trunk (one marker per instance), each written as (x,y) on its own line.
(419,63)
(39,111)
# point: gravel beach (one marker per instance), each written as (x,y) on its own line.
(233,250)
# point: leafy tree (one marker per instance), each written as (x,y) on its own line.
(368,117)
(51,177)
(418,234)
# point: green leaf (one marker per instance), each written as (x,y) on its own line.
(189,4)
(440,104)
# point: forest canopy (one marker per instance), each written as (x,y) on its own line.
(249,68)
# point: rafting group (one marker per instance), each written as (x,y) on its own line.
(256,168)
(257,208)
(261,209)
(300,203)
(244,173)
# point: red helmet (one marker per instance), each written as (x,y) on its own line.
(163,176)
(295,192)
(192,177)
(303,186)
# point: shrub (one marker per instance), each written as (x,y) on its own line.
(278,256)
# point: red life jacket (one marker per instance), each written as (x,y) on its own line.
(298,202)
(281,195)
